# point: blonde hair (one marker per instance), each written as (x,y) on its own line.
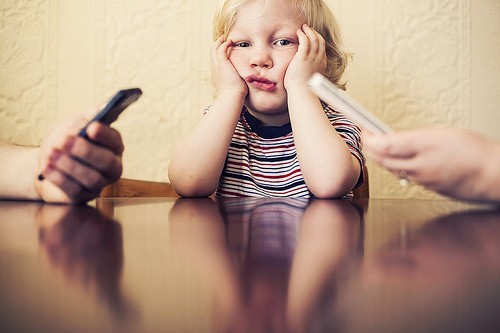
(318,16)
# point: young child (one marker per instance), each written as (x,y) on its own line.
(266,133)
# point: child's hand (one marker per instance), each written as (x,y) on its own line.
(310,58)
(224,75)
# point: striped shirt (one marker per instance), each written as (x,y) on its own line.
(262,160)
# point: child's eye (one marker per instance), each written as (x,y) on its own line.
(283,42)
(241,44)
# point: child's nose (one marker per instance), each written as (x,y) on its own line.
(261,58)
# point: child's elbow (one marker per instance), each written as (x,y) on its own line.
(334,189)
(328,193)
(186,186)
(192,191)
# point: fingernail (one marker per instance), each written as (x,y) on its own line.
(56,154)
(48,169)
(68,145)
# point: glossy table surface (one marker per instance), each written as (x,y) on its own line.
(249,265)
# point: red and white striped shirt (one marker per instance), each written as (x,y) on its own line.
(262,160)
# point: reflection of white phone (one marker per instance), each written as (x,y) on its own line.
(328,92)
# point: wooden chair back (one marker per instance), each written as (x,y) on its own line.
(125,187)
(363,191)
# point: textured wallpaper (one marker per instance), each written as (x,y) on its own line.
(421,61)
(28,67)
(155,45)
(413,66)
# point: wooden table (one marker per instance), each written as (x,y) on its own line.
(249,265)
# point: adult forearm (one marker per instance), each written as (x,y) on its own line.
(18,171)
(489,180)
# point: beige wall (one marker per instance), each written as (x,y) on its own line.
(417,63)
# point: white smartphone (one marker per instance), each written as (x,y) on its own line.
(342,102)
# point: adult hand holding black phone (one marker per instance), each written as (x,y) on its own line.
(116,105)
(83,154)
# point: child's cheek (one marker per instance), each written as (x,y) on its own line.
(291,56)
(238,64)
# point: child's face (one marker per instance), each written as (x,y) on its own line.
(264,43)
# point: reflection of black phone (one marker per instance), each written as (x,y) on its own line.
(119,102)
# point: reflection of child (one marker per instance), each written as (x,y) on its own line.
(266,134)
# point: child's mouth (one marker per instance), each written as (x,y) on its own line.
(260,83)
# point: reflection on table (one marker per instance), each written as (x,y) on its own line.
(84,248)
(446,278)
(249,265)
(267,261)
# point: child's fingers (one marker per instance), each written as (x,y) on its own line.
(316,41)
(218,42)
(221,52)
(303,42)
(215,48)
(225,48)
(308,32)
(312,48)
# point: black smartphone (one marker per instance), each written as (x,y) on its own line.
(119,102)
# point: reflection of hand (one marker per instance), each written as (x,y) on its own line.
(452,162)
(198,233)
(330,232)
(424,277)
(75,169)
(309,59)
(448,248)
(85,248)
(224,76)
